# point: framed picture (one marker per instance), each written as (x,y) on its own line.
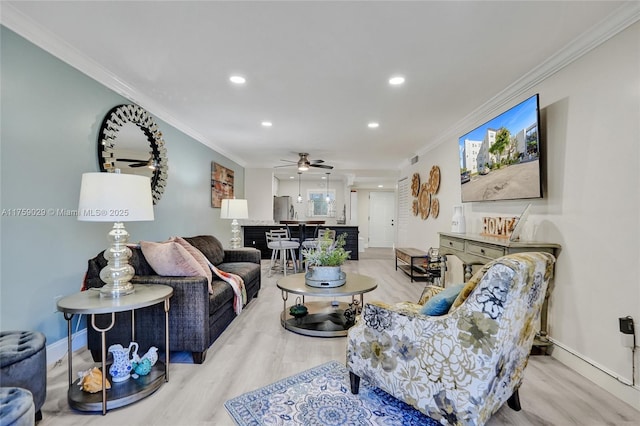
(221,184)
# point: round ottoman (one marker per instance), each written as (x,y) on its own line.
(16,407)
(23,364)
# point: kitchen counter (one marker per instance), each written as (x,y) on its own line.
(254,235)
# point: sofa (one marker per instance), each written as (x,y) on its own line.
(198,313)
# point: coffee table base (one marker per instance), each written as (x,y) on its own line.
(323,320)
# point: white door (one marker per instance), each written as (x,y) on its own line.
(381,219)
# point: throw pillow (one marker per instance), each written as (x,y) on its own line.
(198,256)
(465,292)
(429,291)
(171,259)
(441,302)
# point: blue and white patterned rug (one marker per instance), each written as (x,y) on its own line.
(322,396)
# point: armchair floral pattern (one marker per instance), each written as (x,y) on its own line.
(461,367)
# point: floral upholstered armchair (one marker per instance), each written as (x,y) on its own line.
(461,367)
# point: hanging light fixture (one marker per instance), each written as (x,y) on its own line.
(328,199)
(299,193)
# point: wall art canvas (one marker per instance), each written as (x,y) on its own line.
(221,184)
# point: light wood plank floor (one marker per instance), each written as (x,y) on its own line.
(255,351)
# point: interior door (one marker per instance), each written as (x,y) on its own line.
(382,219)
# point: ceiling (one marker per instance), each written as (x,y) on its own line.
(318,71)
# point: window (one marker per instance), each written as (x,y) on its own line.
(318,205)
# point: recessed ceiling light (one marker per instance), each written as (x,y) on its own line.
(396,80)
(380,186)
(291,177)
(267,123)
(373,125)
(237,79)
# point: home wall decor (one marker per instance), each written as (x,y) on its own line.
(425,203)
(131,142)
(500,227)
(221,184)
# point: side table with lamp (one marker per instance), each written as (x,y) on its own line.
(118,198)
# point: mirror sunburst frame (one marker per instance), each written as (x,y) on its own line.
(152,159)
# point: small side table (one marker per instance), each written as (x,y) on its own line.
(90,303)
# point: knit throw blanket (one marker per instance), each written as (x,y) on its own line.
(237,284)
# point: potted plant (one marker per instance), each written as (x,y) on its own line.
(324,261)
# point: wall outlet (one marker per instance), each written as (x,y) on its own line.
(626,325)
(627,338)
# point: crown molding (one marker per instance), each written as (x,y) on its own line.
(49,42)
(626,15)
(620,19)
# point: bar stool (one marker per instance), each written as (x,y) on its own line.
(280,244)
(322,233)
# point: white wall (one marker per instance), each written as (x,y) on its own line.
(259,192)
(590,114)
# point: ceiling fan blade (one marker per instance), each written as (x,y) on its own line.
(321,166)
(317,161)
(129,160)
(145,164)
(288,161)
(285,165)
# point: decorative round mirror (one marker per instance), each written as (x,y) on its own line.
(130,141)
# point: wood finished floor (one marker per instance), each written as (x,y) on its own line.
(256,351)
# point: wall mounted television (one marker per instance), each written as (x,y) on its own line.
(500,160)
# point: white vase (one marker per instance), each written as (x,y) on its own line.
(458,221)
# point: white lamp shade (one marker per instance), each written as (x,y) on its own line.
(115,197)
(232,208)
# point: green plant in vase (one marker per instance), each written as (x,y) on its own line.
(324,261)
(327,252)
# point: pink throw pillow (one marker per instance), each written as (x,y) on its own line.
(171,259)
(198,256)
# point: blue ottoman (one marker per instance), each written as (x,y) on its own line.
(23,364)
(16,407)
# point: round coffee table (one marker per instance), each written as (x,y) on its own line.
(324,319)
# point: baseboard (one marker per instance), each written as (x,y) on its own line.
(57,350)
(599,375)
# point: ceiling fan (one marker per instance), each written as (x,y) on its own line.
(304,163)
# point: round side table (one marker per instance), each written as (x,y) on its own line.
(90,302)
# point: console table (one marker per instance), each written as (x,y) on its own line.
(90,303)
(475,249)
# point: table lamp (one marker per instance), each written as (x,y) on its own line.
(118,198)
(234,209)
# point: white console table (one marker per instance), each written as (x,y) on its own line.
(475,249)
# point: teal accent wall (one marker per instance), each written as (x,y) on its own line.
(50,114)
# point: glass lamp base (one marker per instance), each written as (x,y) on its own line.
(235,235)
(118,272)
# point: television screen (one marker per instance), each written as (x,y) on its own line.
(500,160)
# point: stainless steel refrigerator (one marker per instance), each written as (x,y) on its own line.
(282,209)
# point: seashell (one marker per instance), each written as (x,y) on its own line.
(91,380)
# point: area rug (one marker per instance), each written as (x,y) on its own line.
(322,396)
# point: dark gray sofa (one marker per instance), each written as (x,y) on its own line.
(196,318)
